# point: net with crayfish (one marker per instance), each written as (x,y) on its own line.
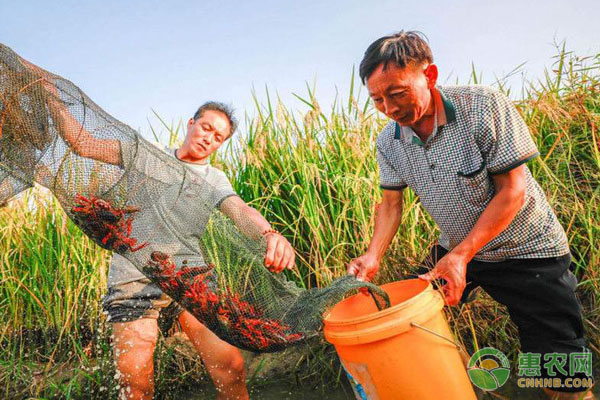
(129,197)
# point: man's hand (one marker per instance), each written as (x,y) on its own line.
(452,268)
(510,196)
(364,267)
(280,253)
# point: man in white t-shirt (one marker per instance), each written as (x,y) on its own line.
(133,303)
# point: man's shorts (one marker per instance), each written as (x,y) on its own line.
(130,301)
(539,295)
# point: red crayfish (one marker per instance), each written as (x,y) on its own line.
(244,322)
(162,270)
(107,225)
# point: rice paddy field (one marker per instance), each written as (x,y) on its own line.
(314,176)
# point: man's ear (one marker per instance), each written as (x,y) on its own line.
(431,73)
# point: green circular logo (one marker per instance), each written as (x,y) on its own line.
(488,369)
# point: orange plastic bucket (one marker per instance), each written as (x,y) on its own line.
(399,352)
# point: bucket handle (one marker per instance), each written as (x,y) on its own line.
(379,296)
(458,345)
(378,293)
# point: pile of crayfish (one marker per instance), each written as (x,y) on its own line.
(194,289)
(161,269)
(108,226)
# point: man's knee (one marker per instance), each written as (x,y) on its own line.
(231,367)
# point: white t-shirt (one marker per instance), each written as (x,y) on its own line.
(188,223)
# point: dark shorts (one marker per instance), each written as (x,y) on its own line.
(126,302)
(540,297)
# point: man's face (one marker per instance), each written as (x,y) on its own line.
(403,94)
(206,134)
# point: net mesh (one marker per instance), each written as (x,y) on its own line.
(134,199)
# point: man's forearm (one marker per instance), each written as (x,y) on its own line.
(257,221)
(249,221)
(500,212)
(387,222)
(82,142)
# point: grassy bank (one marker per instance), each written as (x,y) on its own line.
(315,177)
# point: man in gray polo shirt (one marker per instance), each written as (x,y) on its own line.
(463,150)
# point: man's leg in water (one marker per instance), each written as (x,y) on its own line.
(223,361)
(133,309)
(133,345)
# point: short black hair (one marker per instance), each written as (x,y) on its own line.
(401,48)
(222,108)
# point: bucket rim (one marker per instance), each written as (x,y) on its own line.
(380,314)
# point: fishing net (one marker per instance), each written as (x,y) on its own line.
(134,199)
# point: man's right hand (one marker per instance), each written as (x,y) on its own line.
(364,267)
(387,221)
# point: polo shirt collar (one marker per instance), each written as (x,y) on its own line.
(443,106)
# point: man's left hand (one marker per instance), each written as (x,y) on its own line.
(280,253)
(452,268)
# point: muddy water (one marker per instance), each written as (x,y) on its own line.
(283,391)
(280,391)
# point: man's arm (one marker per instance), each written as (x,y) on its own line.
(251,223)
(79,139)
(387,221)
(499,213)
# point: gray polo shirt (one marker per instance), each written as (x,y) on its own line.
(189,223)
(478,134)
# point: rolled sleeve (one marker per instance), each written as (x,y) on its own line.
(222,188)
(126,153)
(504,138)
(389,178)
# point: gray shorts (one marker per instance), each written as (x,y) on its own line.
(135,300)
